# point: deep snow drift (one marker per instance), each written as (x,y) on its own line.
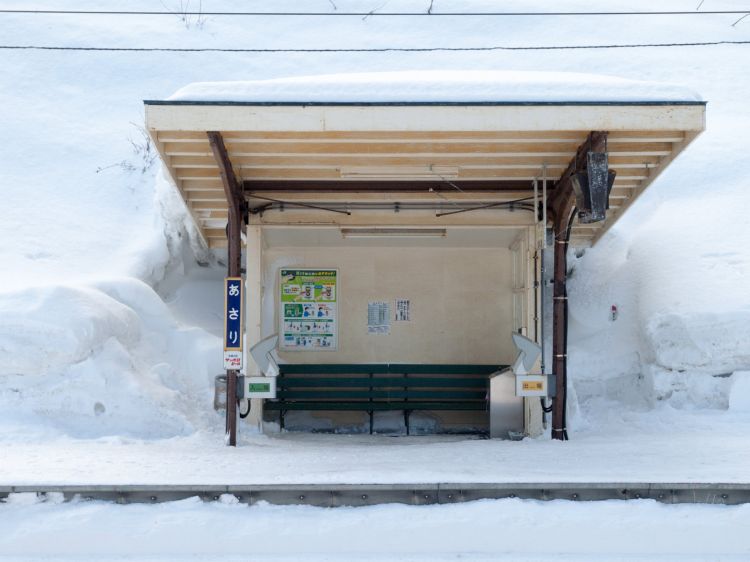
(106,359)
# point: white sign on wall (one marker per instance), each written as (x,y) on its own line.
(378,318)
(403,310)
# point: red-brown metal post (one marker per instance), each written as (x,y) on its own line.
(234,197)
(562,205)
(560,322)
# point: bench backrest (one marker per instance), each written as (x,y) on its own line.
(386,383)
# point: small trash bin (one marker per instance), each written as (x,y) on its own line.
(220,392)
(506,409)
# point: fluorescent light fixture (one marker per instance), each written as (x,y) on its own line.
(393,232)
(400,172)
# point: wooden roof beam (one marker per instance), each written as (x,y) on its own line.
(232,187)
(385,186)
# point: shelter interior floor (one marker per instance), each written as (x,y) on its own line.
(661,445)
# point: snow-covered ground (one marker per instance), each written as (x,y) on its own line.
(109,312)
(499,530)
(664,446)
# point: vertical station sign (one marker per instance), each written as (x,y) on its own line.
(308,316)
(233,322)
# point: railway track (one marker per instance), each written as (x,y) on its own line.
(334,495)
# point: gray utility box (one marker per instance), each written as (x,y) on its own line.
(506,409)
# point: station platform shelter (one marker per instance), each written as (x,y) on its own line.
(395,243)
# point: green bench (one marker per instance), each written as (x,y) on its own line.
(381,387)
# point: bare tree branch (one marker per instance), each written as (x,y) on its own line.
(371,12)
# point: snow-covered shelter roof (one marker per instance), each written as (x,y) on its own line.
(501,129)
(459,87)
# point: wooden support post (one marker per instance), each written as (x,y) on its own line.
(561,202)
(235,201)
(254,288)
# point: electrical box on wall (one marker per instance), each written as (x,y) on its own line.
(257,387)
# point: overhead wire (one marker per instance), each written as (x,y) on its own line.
(515,204)
(368,50)
(299,204)
(373,13)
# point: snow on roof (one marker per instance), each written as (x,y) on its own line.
(438,86)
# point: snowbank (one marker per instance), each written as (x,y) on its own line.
(679,282)
(439,86)
(106,359)
(49,328)
(739,397)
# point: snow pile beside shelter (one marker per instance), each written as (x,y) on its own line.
(444,86)
(683,309)
(101,360)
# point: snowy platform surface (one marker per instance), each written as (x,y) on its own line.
(664,445)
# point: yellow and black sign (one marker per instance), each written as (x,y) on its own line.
(532,385)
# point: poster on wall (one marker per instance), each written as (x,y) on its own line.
(378,318)
(403,310)
(308,316)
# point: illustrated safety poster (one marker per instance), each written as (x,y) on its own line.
(308,315)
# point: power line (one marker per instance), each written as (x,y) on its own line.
(372,13)
(367,50)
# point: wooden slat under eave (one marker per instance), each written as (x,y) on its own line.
(206,195)
(209,205)
(166,159)
(208,180)
(413,148)
(369,136)
(411,136)
(677,148)
(187,163)
(215,243)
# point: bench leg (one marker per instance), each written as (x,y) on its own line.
(407,413)
(371,376)
(281,420)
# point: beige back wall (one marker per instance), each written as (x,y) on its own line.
(461,302)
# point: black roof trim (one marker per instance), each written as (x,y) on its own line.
(424,103)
